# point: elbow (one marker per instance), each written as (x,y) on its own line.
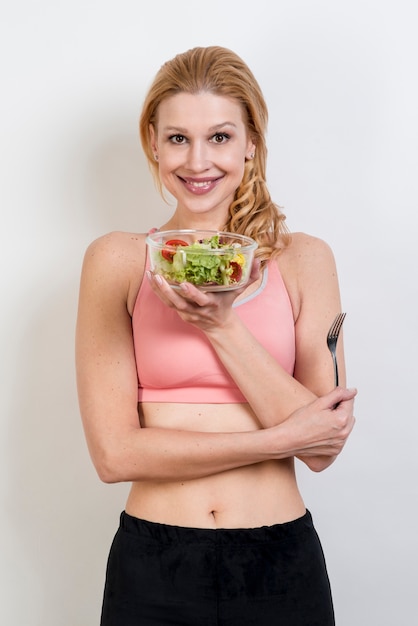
(319,463)
(322,464)
(110,468)
(317,468)
(107,475)
(114,458)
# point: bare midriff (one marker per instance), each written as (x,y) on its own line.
(247,497)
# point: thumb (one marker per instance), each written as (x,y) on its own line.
(337,395)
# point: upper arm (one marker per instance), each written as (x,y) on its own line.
(105,362)
(319,303)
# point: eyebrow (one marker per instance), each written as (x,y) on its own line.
(211,129)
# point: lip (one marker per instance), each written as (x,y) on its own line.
(200,186)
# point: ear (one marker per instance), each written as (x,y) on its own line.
(249,153)
(153,138)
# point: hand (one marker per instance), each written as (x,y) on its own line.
(204,309)
(318,432)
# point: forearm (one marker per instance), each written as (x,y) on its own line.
(315,433)
(272,393)
(163,455)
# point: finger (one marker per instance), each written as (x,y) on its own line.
(192,293)
(204,298)
(163,290)
(334,397)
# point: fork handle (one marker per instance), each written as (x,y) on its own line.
(336,380)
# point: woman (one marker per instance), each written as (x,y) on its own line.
(203,400)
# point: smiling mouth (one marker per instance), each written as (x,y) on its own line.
(200,186)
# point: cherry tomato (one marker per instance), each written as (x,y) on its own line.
(168,254)
(236,272)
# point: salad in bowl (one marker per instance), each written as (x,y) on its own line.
(209,259)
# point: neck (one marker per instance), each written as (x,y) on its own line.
(193,222)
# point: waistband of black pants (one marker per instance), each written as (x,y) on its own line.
(164,533)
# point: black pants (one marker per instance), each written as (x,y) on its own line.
(161,575)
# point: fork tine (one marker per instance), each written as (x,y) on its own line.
(336,326)
(340,323)
(333,325)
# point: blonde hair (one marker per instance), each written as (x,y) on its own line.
(220,71)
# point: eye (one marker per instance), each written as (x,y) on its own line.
(178,139)
(220,138)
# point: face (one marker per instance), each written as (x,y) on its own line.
(202,143)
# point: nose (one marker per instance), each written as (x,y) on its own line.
(198,156)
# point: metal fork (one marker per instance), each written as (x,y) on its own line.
(332,339)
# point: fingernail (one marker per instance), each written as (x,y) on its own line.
(158,279)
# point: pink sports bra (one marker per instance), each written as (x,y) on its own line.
(176,363)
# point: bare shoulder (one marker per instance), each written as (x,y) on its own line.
(307,265)
(304,250)
(116,247)
(115,262)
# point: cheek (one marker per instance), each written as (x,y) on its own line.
(167,164)
(236,163)
(167,171)
(170,159)
(234,159)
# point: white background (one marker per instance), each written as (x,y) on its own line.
(340,79)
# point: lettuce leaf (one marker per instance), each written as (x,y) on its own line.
(195,263)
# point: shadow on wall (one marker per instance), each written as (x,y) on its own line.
(62,518)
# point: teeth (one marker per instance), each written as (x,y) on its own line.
(200,184)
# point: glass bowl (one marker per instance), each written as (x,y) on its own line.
(209,259)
